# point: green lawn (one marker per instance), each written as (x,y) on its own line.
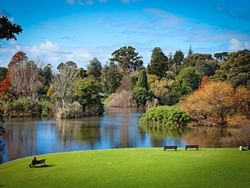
(132,168)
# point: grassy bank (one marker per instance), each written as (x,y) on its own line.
(132,168)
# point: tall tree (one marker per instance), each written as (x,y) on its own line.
(141,92)
(88,92)
(8,30)
(95,69)
(178,57)
(190,51)
(142,80)
(111,77)
(64,81)
(24,78)
(159,63)
(127,58)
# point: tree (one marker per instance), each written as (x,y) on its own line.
(236,69)
(3,72)
(206,68)
(88,92)
(186,81)
(82,73)
(215,102)
(127,58)
(23,76)
(95,69)
(46,75)
(190,51)
(193,59)
(142,80)
(4,84)
(178,57)
(8,30)
(63,82)
(141,92)
(111,77)
(190,77)
(159,63)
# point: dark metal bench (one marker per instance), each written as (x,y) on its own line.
(37,162)
(192,146)
(170,147)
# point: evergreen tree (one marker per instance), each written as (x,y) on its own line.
(95,69)
(190,51)
(158,63)
(178,57)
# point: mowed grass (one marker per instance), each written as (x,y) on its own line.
(151,167)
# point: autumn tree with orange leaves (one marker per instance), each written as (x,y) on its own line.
(218,103)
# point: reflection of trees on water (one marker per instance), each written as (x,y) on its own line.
(205,137)
(218,137)
(160,136)
(20,141)
(89,134)
(84,133)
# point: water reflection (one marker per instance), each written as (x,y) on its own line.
(118,128)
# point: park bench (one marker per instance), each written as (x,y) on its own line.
(37,162)
(192,146)
(170,147)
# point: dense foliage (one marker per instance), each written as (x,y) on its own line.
(8,30)
(236,69)
(28,88)
(141,92)
(165,116)
(159,63)
(217,103)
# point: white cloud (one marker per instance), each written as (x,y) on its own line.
(48,52)
(235,44)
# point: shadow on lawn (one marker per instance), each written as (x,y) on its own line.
(43,166)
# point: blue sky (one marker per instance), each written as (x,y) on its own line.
(78,30)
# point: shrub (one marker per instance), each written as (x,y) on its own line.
(70,110)
(165,117)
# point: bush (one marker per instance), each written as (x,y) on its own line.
(23,106)
(164,117)
(142,95)
(70,110)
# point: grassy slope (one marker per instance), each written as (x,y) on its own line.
(133,168)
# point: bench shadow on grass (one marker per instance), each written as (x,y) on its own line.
(43,166)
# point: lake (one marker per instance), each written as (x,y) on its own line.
(117,128)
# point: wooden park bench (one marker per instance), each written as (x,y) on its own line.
(37,162)
(170,147)
(192,146)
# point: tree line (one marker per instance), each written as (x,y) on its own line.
(28,87)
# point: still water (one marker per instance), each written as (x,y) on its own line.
(117,128)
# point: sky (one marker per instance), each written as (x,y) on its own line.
(56,31)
